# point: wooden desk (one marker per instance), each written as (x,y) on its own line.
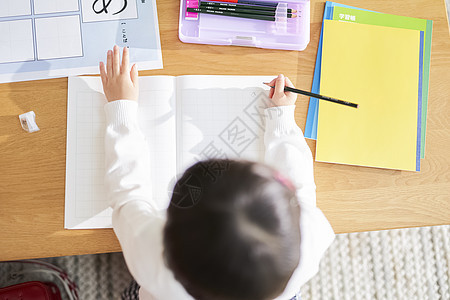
(32,166)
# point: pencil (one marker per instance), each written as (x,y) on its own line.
(246,11)
(243,6)
(251,2)
(233,14)
(343,102)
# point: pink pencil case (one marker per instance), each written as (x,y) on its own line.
(284,33)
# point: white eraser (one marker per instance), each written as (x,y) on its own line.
(27,120)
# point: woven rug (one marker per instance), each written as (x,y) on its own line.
(393,264)
(405,264)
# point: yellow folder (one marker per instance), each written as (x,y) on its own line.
(378,68)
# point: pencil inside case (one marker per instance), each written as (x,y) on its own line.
(283,33)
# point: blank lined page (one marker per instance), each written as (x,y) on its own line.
(221,117)
(86,205)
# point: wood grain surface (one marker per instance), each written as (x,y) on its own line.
(32,166)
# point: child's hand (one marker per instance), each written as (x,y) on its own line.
(119,83)
(278,95)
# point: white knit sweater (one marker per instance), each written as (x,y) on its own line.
(139,225)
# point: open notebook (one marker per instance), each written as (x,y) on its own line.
(184,119)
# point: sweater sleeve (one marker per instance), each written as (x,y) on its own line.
(287,150)
(136,219)
(126,154)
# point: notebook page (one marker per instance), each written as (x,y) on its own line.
(85,202)
(220,117)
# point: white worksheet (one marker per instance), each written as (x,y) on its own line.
(42,39)
(185,119)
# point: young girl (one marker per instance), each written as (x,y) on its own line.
(255,231)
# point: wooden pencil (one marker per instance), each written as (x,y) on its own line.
(318,96)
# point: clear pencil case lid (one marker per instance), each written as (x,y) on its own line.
(283,33)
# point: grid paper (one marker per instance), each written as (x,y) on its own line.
(16,41)
(62,43)
(12,8)
(221,117)
(86,204)
(58,37)
(188,114)
(54,6)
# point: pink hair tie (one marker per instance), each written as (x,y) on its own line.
(284,180)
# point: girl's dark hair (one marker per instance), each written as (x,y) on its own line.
(232,231)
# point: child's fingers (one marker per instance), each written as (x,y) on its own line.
(116,60)
(279,84)
(288,83)
(109,63)
(272,83)
(291,95)
(125,60)
(103,73)
(134,75)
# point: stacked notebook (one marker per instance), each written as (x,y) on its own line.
(382,63)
